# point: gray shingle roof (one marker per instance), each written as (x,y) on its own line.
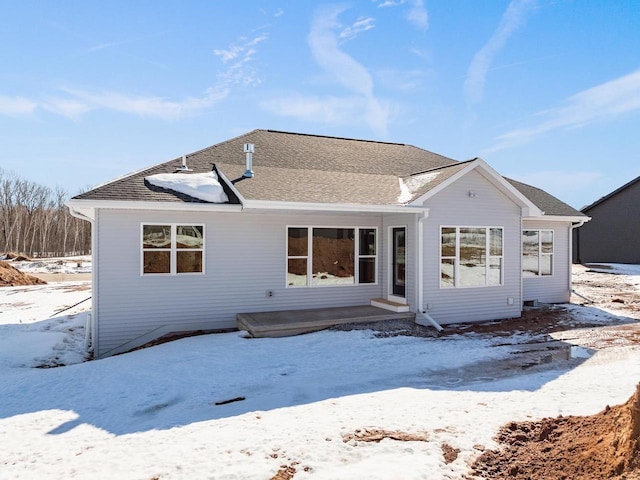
(546,202)
(297,167)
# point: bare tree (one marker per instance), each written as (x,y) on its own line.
(35,221)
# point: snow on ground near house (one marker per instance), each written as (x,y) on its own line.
(630,272)
(68,265)
(153,414)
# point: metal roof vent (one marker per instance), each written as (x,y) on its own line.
(248,150)
(183,167)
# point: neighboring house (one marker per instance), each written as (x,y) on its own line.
(320,222)
(613,234)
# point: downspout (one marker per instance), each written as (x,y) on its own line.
(422,317)
(571,229)
(90,327)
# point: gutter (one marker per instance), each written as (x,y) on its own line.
(330,207)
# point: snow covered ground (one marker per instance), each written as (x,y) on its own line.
(161,412)
(67,265)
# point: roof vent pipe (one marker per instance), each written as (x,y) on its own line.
(248,150)
(183,167)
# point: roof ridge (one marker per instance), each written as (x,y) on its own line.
(227,141)
(441,167)
(339,138)
(609,195)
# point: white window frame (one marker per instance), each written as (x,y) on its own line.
(173,257)
(456,258)
(309,256)
(540,253)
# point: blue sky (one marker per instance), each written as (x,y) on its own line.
(546,91)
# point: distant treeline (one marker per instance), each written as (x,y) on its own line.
(35,222)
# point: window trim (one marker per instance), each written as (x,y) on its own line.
(540,253)
(456,259)
(309,256)
(173,249)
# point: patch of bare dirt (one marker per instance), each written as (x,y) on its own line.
(17,257)
(597,285)
(12,277)
(449,453)
(605,445)
(377,435)
(286,472)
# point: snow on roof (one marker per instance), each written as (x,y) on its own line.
(203,186)
(409,186)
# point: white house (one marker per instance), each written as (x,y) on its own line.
(272,221)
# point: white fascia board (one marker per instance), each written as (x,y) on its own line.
(527,206)
(331,207)
(558,218)
(89,205)
(84,205)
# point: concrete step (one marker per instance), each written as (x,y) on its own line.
(389,305)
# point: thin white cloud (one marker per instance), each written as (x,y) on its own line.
(145,106)
(16,106)
(106,45)
(330,109)
(343,69)
(244,49)
(418,14)
(229,53)
(602,102)
(406,81)
(240,72)
(70,108)
(74,102)
(512,19)
(391,3)
(361,25)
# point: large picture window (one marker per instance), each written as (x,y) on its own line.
(537,253)
(323,256)
(471,256)
(172,249)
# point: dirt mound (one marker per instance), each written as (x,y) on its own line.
(17,257)
(605,445)
(12,277)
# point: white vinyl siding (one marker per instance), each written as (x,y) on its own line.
(244,263)
(550,288)
(488,208)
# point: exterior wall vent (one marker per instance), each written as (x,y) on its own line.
(248,150)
